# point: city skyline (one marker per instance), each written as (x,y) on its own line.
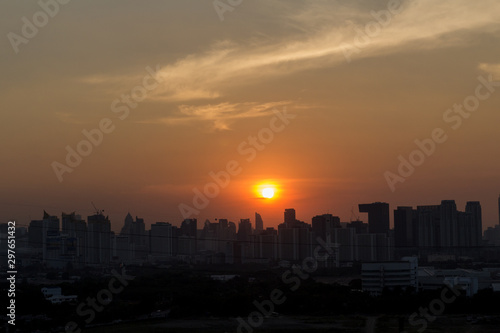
(382,222)
(424,232)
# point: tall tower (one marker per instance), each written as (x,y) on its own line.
(290,217)
(474,208)
(244,230)
(448,224)
(98,239)
(378,217)
(259,224)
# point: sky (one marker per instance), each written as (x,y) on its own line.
(321,100)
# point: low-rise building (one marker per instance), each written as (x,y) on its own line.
(376,276)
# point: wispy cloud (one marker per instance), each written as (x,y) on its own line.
(493,69)
(219,116)
(325,27)
(68,118)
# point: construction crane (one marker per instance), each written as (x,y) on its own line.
(97,211)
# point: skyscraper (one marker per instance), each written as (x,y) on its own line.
(259,224)
(323,225)
(378,216)
(189,228)
(162,239)
(74,226)
(244,230)
(188,234)
(405,230)
(290,217)
(127,225)
(99,239)
(474,209)
(448,225)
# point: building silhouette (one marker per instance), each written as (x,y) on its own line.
(259,224)
(323,226)
(74,226)
(162,240)
(289,217)
(99,239)
(378,217)
(438,228)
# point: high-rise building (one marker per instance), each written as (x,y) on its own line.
(366,249)
(323,226)
(244,230)
(294,238)
(378,216)
(448,224)
(189,228)
(123,250)
(290,216)
(40,230)
(74,226)
(444,228)
(98,239)
(136,233)
(266,244)
(35,234)
(405,231)
(127,225)
(428,218)
(346,238)
(259,224)
(474,209)
(59,250)
(359,226)
(162,239)
(188,234)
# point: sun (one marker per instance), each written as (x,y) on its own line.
(268,192)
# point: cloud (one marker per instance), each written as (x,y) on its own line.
(324,29)
(220,116)
(493,69)
(68,118)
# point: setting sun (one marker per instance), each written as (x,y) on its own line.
(268,189)
(268,192)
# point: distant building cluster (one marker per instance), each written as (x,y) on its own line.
(439,229)
(427,232)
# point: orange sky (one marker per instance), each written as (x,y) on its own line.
(211,85)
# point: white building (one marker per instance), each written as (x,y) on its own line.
(376,276)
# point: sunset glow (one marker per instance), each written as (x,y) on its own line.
(268,192)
